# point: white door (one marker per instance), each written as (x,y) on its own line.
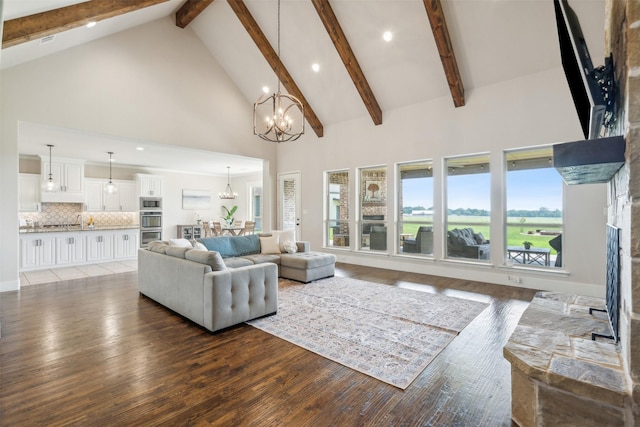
(289,212)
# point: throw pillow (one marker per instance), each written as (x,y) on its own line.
(290,247)
(210,258)
(198,245)
(181,243)
(158,246)
(269,245)
(479,237)
(284,236)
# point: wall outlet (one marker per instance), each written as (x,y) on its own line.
(514,279)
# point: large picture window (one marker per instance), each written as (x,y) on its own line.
(468,207)
(337,224)
(534,209)
(373,209)
(415,201)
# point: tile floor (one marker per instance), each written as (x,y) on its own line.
(80,271)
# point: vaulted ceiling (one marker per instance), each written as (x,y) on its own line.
(440,48)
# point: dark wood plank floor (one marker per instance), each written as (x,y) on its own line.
(94,352)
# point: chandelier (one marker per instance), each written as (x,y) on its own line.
(50,185)
(110,188)
(228,192)
(279,117)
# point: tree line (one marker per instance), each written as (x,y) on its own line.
(521,213)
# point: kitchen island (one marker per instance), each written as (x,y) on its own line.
(61,245)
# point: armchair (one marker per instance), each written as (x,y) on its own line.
(421,244)
(378,238)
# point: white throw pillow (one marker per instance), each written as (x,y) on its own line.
(269,245)
(284,236)
(198,245)
(182,243)
(289,247)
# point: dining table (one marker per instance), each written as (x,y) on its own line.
(234,230)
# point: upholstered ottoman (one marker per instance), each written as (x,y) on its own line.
(307,266)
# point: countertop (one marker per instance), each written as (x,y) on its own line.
(75,228)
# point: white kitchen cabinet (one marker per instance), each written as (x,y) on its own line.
(29,185)
(99,201)
(125,243)
(68,174)
(149,185)
(99,246)
(37,251)
(70,249)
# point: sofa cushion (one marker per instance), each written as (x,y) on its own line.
(236,262)
(269,245)
(307,260)
(261,259)
(198,245)
(210,258)
(177,251)
(232,246)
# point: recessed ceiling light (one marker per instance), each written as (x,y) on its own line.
(387,36)
(265,89)
(140,148)
(91,24)
(315,67)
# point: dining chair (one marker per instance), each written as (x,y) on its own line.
(237,223)
(207,229)
(217,228)
(249,227)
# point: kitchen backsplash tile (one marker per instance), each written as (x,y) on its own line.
(61,213)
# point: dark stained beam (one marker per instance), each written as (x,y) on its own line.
(33,27)
(190,10)
(341,43)
(272,58)
(443,42)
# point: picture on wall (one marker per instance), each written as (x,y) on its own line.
(196,199)
(373,191)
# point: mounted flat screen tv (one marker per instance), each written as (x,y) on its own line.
(576,61)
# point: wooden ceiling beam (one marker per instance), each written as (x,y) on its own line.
(331,24)
(272,58)
(190,10)
(443,42)
(33,27)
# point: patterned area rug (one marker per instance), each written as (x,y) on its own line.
(386,332)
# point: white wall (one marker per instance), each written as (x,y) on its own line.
(530,111)
(155,83)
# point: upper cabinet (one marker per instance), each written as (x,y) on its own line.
(98,201)
(68,174)
(149,185)
(29,191)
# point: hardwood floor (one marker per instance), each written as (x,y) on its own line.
(93,351)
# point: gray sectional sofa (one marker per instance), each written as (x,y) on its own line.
(225,280)
(198,285)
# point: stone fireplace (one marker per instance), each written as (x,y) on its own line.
(559,375)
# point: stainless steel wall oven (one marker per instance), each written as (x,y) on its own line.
(150,220)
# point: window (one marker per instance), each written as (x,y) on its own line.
(415,201)
(468,202)
(255,205)
(534,208)
(373,208)
(337,231)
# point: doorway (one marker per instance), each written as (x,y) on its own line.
(289,191)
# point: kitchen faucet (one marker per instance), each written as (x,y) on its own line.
(80,220)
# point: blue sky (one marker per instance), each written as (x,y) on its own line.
(529,189)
